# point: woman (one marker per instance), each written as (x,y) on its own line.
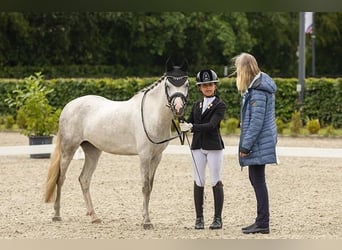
(258,138)
(207,145)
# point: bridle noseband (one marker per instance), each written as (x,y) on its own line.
(176,81)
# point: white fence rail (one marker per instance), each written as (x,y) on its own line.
(182,149)
(35,149)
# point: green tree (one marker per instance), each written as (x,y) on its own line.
(14,37)
(213,38)
(49,39)
(276,36)
(328,45)
(140,42)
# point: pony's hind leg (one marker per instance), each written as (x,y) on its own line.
(65,161)
(92,155)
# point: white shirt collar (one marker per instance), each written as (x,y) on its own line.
(207,101)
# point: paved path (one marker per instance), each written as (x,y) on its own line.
(184,149)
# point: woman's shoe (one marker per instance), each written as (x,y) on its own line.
(248,227)
(217,223)
(256,229)
(199,223)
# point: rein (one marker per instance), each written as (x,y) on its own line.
(181,138)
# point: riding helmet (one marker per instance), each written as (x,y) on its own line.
(206,76)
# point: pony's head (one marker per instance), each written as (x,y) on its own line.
(177,89)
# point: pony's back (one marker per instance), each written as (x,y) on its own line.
(108,125)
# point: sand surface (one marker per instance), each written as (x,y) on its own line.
(305,197)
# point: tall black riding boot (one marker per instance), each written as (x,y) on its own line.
(218,201)
(198,198)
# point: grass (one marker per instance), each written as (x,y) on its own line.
(14,128)
(323,132)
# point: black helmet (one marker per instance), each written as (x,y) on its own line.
(206,76)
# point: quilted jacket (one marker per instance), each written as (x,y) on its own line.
(258,135)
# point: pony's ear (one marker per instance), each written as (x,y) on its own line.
(169,65)
(184,65)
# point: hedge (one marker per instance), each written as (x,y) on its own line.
(323,96)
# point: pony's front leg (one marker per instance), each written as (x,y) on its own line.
(146,190)
(148,171)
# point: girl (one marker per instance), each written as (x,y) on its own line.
(207,145)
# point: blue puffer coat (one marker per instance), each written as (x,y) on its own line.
(258,135)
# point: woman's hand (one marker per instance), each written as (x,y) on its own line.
(185,127)
(243,154)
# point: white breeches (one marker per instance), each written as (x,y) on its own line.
(214,159)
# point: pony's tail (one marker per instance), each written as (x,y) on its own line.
(53,174)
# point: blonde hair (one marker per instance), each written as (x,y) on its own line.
(246,69)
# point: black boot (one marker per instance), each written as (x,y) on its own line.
(218,200)
(198,197)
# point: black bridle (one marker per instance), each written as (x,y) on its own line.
(172,97)
(177,81)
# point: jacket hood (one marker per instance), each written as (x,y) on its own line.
(265,83)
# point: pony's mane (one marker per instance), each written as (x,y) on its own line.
(153,85)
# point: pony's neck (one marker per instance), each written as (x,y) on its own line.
(156,111)
(160,99)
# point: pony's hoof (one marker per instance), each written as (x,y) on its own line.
(96,221)
(57,218)
(148,226)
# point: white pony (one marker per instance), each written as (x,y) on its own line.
(139,126)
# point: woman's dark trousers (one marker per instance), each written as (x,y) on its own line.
(258,181)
